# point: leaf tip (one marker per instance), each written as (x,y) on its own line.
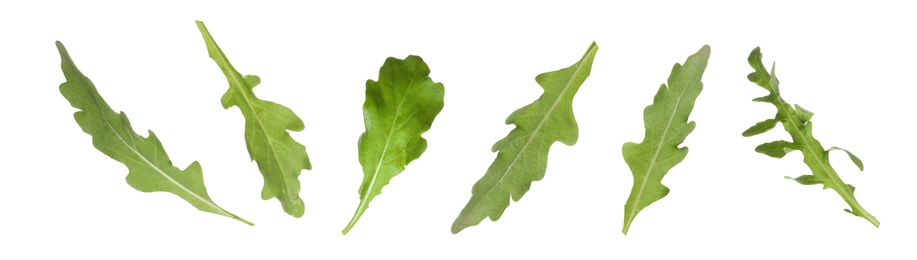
(590,53)
(462,222)
(208,39)
(456,228)
(201,26)
(705,49)
(756,51)
(249,223)
(64,55)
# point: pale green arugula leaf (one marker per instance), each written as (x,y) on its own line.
(523,154)
(667,126)
(795,120)
(398,109)
(280,158)
(150,168)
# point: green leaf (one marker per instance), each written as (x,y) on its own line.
(802,114)
(760,127)
(758,77)
(398,109)
(667,126)
(150,168)
(776,149)
(767,99)
(280,158)
(806,179)
(523,154)
(814,155)
(856,160)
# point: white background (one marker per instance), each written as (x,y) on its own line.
(851,64)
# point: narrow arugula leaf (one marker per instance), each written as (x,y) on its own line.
(523,154)
(150,168)
(666,122)
(398,109)
(796,122)
(280,158)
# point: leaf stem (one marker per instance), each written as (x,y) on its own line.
(364,203)
(855,207)
(627,223)
(233,216)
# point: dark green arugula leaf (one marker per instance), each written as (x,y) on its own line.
(398,109)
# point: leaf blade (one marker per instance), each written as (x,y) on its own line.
(777,149)
(490,197)
(652,158)
(398,129)
(853,158)
(760,128)
(150,168)
(279,157)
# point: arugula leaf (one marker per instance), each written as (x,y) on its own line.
(150,168)
(523,154)
(398,109)
(795,120)
(280,158)
(666,122)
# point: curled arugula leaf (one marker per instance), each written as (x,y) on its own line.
(150,168)
(398,109)
(280,158)
(795,120)
(523,154)
(667,126)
